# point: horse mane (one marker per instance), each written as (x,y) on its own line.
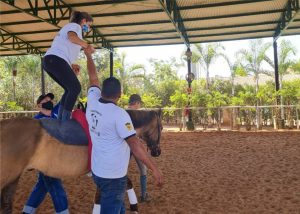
(141,118)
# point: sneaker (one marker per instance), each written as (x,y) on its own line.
(146,198)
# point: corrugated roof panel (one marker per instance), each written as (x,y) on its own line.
(234,9)
(199,2)
(137,28)
(145,36)
(233,30)
(26,28)
(5,7)
(38,36)
(295,24)
(130,19)
(10,52)
(156,42)
(232,21)
(292,32)
(116,7)
(231,37)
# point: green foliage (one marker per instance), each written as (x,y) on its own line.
(158,88)
(10,106)
(151,101)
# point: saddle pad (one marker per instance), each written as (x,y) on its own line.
(79,116)
(68,132)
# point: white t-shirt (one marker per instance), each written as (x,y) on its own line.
(109,126)
(63,47)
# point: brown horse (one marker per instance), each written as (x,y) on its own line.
(25,144)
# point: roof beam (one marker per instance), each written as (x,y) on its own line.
(171,9)
(288,16)
(17,43)
(66,6)
(57,9)
(193,42)
(199,35)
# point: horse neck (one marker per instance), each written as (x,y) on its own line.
(140,118)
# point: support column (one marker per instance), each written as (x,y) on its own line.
(42,78)
(189,78)
(277,85)
(111,63)
(276,69)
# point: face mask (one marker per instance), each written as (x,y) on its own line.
(48,105)
(85,28)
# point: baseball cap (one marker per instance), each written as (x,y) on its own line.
(135,98)
(50,95)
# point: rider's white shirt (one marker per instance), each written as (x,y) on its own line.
(109,126)
(63,47)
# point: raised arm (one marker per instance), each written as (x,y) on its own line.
(72,36)
(94,81)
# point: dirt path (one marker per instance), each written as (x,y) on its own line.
(207,172)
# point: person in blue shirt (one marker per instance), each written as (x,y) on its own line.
(45,183)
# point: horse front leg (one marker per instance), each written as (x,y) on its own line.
(7,196)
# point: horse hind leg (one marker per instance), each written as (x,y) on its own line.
(7,196)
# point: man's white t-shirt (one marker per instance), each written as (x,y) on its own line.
(63,47)
(109,126)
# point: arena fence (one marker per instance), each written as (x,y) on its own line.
(220,118)
(234,118)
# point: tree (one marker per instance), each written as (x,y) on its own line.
(127,73)
(296,66)
(206,55)
(285,62)
(10,65)
(235,69)
(252,61)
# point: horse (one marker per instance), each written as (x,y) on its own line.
(25,144)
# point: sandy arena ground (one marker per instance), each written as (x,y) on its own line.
(206,172)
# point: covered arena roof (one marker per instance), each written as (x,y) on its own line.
(28,27)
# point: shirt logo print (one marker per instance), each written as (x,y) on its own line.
(128,126)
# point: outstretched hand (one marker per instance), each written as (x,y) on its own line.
(89,50)
(158,177)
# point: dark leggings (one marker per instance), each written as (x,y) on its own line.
(61,72)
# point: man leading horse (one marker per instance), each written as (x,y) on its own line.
(113,137)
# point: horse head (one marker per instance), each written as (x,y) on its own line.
(152,133)
(149,128)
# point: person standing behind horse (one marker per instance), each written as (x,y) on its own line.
(45,183)
(113,137)
(135,102)
(59,59)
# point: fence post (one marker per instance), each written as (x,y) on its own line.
(297,118)
(219,119)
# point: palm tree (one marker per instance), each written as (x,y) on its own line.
(128,72)
(252,61)
(235,69)
(206,55)
(286,50)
